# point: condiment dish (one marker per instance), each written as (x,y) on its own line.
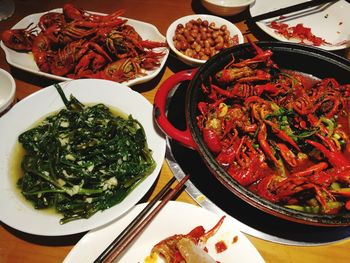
(7,90)
(226,7)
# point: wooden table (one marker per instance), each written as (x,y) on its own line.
(16,246)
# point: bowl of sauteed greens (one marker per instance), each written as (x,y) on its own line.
(271,121)
(81,154)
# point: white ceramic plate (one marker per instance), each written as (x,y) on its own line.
(174,218)
(329,21)
(26,62)
(17,212)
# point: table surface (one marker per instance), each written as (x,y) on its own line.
(16,246)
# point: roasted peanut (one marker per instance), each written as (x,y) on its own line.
(202,39)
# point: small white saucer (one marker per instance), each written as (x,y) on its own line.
(7,8)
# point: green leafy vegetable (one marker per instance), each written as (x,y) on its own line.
(83,159)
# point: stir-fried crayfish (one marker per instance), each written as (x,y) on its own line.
(80,44)
(279,134)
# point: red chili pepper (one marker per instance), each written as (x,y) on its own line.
(345,192)
(336,158)
(212,140)
(298,31)
(317,123)
(347,205)
(282,135)
(220,246)
(312,169)
(287,154)
(262,134)
(203,108)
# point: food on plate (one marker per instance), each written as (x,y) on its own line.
(79,44)
(201,39)
(83,159)
(282,134)
(298,32)
(220,246)
(181,248)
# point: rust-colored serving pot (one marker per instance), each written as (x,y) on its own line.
(301,58)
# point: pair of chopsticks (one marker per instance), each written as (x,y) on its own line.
(140,222)
(289,9)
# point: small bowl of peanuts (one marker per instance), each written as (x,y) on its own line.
(196,38)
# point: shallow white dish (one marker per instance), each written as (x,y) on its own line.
(26,62)
(226,7)
(7,90)
(183,20)
(174,218)
(329,21)
(17,212)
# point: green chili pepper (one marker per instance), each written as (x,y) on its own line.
(316,209)
(330,125)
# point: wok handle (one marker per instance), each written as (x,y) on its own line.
(159,108)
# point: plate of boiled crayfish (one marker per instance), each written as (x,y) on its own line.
(71,43)
(271,122)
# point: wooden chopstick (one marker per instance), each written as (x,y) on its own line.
(136,221)
(140,222)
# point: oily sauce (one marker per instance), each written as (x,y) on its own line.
(19,152)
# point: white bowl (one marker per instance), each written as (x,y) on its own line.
(7,90)
(210,18)
(226,7)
